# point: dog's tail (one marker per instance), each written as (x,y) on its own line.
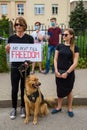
(51,102)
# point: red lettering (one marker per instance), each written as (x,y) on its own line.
(25,54)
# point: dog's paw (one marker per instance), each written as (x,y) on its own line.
(34,122)
(26,121)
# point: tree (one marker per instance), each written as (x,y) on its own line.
(4,26)
(3,62)
(78,18)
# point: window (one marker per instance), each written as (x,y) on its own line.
(20,9)
(55,9)
(39,9)
(4,9)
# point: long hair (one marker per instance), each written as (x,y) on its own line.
(72,43)
(22,21)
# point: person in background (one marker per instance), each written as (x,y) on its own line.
(54,38)
(19,37)
(65,62)
(38,36)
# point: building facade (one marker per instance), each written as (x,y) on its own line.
(36,10)
(73,4)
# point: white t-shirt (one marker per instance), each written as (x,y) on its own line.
(37,41)
(35,36)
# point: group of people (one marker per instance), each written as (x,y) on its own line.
(53,37)
(66,56)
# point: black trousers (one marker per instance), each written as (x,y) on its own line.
(16,80)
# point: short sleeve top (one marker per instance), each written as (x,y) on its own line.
(35,36)
(65,56)
(54,35)
(15,39)
(25,39)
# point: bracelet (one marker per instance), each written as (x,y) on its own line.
(67,73)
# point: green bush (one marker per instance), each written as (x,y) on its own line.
(82,63)
(3,62)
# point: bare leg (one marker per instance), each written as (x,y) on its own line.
(58,108)
(40,66)
(60,100)
(70,99)
(33,66)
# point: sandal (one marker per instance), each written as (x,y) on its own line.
(41,71)
(32,72)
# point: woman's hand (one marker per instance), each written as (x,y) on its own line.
(57,74)
(64,75)
(7,48)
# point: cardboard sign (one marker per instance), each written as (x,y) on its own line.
(21,52)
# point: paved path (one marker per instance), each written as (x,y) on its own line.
(48,86)
(59,121)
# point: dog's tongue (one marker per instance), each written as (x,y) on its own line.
(36,86)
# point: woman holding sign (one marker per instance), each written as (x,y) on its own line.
(20,37)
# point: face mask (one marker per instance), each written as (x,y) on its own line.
(53,24)
(37,27)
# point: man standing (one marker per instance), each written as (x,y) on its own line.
(54,38)
(38,36)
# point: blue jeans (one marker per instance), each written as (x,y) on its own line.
(51,49)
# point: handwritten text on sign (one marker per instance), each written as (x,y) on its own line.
(21,52)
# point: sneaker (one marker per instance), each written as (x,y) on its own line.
(13,114)
(23,112)
(45,72)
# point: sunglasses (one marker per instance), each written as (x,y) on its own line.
(65,35)
(17,24)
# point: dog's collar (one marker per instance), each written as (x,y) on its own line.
(33,96)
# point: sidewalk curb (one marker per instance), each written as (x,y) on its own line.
(76,101)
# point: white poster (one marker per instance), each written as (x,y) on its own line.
(21,52)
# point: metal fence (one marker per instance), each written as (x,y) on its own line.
(80,41)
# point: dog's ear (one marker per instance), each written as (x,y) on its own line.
(28,77)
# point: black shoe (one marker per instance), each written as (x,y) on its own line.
(46,72)
(70,114)
(53,72)
(54,111)
(23,112)
(13,114)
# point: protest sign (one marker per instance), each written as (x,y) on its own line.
(21,52)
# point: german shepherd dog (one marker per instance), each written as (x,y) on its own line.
(34,100)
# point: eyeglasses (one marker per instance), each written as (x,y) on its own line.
(65,35)
(17,24)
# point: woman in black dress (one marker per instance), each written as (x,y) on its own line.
(65,62)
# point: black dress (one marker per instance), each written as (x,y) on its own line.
(65,60)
